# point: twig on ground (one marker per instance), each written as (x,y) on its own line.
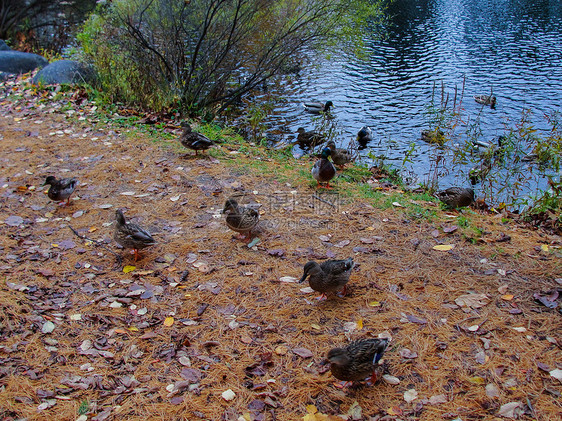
(97,243)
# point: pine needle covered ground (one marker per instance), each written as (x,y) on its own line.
(201,314)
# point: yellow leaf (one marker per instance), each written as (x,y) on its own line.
(311,409)
(133,329)
(119,330)
(375,304)
(443,247)
(92,229)
(315,326)
(359,324)
(54,245)
(169,321)
(477,380)
(309,417)
(544,247)
(507,297)
(128,269)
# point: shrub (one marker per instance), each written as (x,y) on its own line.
(159,53)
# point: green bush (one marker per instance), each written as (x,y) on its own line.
(162,53)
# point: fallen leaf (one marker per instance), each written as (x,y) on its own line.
(556,373)
(449,229)
(507,297)
(511,410)
(228,395)
(443,247)
(481,357)
(408,354)
(355,412)
(128,269)
(396,204)
(492,391)
(520,329)
(476,380)
(472,300)
(48,327)
(169,321)
(14,221)
(437,399)
(410,395)
(302,352)
(281,350)
(288,279)
(390,379)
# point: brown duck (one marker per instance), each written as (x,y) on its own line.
(456,197)
(329,277)
(240,218)
(131,236)
(358,360)
(62,189)
(194,140)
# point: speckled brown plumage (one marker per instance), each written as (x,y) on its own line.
(240,218)
(62,189)
(358,360)
(328,277)
(456,197)
(131,236)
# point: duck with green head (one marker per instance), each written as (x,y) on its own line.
(318,107)
(323,170)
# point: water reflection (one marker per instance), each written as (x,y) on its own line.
(511,47)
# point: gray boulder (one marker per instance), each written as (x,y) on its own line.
(17,62)
(65,71)
(4,46)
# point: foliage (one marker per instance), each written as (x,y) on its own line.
(156,53)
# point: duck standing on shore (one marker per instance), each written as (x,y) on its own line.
(131,236)
(60,190)
(456,197)
(328,277)
(340,156)
(323,170)
(240,218)
(358,360)
(194,140)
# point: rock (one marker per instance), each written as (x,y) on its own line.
(4,46)
(18,62)
(65,71)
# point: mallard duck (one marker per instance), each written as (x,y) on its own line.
(456,197)
(330,276)
(62,189)
(486,100)
(239,218)
(358,360)
(310,138)
(323,170)
(364,136)
(340,156)
(433,136)
(489,149)
(131,236)
(318,107)
(194,140)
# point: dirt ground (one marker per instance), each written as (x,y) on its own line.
(84,337)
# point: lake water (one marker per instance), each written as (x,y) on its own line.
(513,47)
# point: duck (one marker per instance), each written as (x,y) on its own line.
(131,236)
(328,277)
(358,360)
(240,218)
(60,190)
(480,171)
(309,138)
(456,197)
(318,107)
(489,148)
(323,170)
(194,140)
(340,156)
(433,136)
(486,100)
(364,136)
